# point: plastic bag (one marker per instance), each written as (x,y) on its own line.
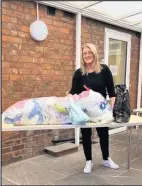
(122,108)
(95,106)
(88,105)
(45,110)
(77,115)
(35,111)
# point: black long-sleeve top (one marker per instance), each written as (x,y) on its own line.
(101,82)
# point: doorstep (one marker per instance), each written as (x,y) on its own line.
(62,149)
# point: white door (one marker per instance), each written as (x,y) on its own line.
(117,56)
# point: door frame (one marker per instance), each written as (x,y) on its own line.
(110,33)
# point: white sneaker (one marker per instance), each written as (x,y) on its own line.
(109,163)
(88,167)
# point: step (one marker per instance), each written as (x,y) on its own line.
(62,149)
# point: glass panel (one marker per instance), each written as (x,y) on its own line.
(134,19)
(80,4)
(117,60)
(116,8)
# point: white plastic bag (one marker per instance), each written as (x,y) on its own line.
(95,106)
(37,111)
(55,110)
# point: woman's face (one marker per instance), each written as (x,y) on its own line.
(88,56)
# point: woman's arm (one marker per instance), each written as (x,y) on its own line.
(75,89)
(110,85)
(112,100)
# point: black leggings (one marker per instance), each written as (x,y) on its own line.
(87,142)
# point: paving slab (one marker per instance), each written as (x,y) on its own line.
(68,170)
(137,163)
(131,177)
(30,174)
(6,181)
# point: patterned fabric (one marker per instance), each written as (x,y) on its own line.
(87,106)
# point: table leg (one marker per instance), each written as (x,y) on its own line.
(137,140)
(137,127)
(129,147)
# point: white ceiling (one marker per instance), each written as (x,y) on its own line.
(127,14)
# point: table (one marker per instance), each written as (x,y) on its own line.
(134,121)
(138,111)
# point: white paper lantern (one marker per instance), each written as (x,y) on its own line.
(38,30)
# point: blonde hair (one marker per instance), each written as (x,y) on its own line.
(96,64)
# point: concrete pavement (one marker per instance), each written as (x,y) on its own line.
(68,170)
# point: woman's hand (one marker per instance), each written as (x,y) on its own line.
(68,95)
(86,87)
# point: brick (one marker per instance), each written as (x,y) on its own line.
(5,77)
(6,5)
(17,147)
(39,48)
(25,28)
(17,142)
(24,140)
(30,65)
(17,153)
(64,30)
(26,59)
(4,38)
(21,34)
(6,157)
(3,11)
(29,5)
(13,52)
(14,39)
(5,31)
(58,23)
(5,70)
(13,19)
(5,64)
(15,77)
(13,6)
(16,14)
(47,66)
(38,78)
(33,12)
(49,72)
(14,59)
(8,143)
(29,77)
(26,16)
(47,21)
(6,150)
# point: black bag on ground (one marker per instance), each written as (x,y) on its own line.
(122,108)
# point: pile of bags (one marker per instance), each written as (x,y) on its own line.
(78,109)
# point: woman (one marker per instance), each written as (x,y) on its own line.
(97,77)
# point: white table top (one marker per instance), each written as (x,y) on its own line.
(139,110)
(134,120)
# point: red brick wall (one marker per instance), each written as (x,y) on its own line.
(34,69)
(134,69)
(30,68)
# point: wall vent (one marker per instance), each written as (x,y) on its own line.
(68,14)
(51,11)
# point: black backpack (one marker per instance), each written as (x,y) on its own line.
(122,108)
